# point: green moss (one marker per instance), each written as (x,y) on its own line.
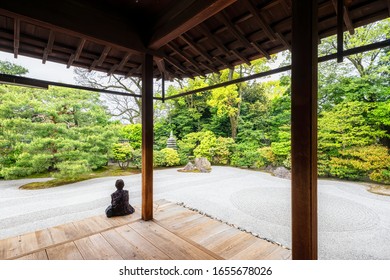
(102,172)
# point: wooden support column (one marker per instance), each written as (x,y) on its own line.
(147,138)
(304,130)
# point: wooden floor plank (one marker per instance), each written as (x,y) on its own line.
(258,250)
(172,245)
(180,220)
(67,251)
(142,247)
(95,247)
(175,233)
(64,233)
(233,245)
(121,220)
(204,231)
(91,226)
(279,254)
(40,255)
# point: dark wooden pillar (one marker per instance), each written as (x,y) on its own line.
(147,138)
(304,130)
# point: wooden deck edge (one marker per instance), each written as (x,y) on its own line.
(70,240)
(193,243)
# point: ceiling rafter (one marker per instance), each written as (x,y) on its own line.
(238,33)
(347,19)
(76,55)
(241,57)
(285,5)
(100,60)
(284,41)
(187,39)
(206,32)
(134,70)
(112,69)
(254,11)
(177,50)
(16,37)
(124,60)
(49,48)
(103,56)
(189,17)
(388,6)
(233,29)
(261,50)
(175,63)
(205,54)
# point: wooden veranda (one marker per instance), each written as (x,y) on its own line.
(175,233)
(168,39)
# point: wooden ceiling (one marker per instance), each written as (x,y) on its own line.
(187,38)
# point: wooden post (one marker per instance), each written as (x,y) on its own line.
(304,130)
(147,138)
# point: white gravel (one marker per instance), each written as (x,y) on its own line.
(353,223)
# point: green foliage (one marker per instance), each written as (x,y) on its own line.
(171,157)
(72,170)
(265,157)
(123,154)
(245,155)
(360,163)
(166,157)
(9,68)
(222,150)
(133,133)
(43,131)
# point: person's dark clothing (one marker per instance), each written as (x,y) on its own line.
(119,204)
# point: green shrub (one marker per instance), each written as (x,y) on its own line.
(222,150)
(123,154)
(171,157)
(265,157)
(244,155)
(359,163)
(71,170)
(166,157)
(158,159)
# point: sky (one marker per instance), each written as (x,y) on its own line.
(50,71)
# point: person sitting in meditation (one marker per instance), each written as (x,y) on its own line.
(119,201)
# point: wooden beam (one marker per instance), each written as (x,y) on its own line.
(185,19)
(103,55)
(206,32)
(124,61)
(241,57)
(233,29)
(76,55)
(83,20)
(147,138)
(79,49)
(49,47)
(284,41)
(304,129)
(347,19)
(196,47)
(16,37)
(254,11)
(204,53)
(180,53)
(388,6)
(261,50)
(113,69)
(340,30)
(134,70)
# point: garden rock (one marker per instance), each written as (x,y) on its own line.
(188,168)
(203,165)
(282,172)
